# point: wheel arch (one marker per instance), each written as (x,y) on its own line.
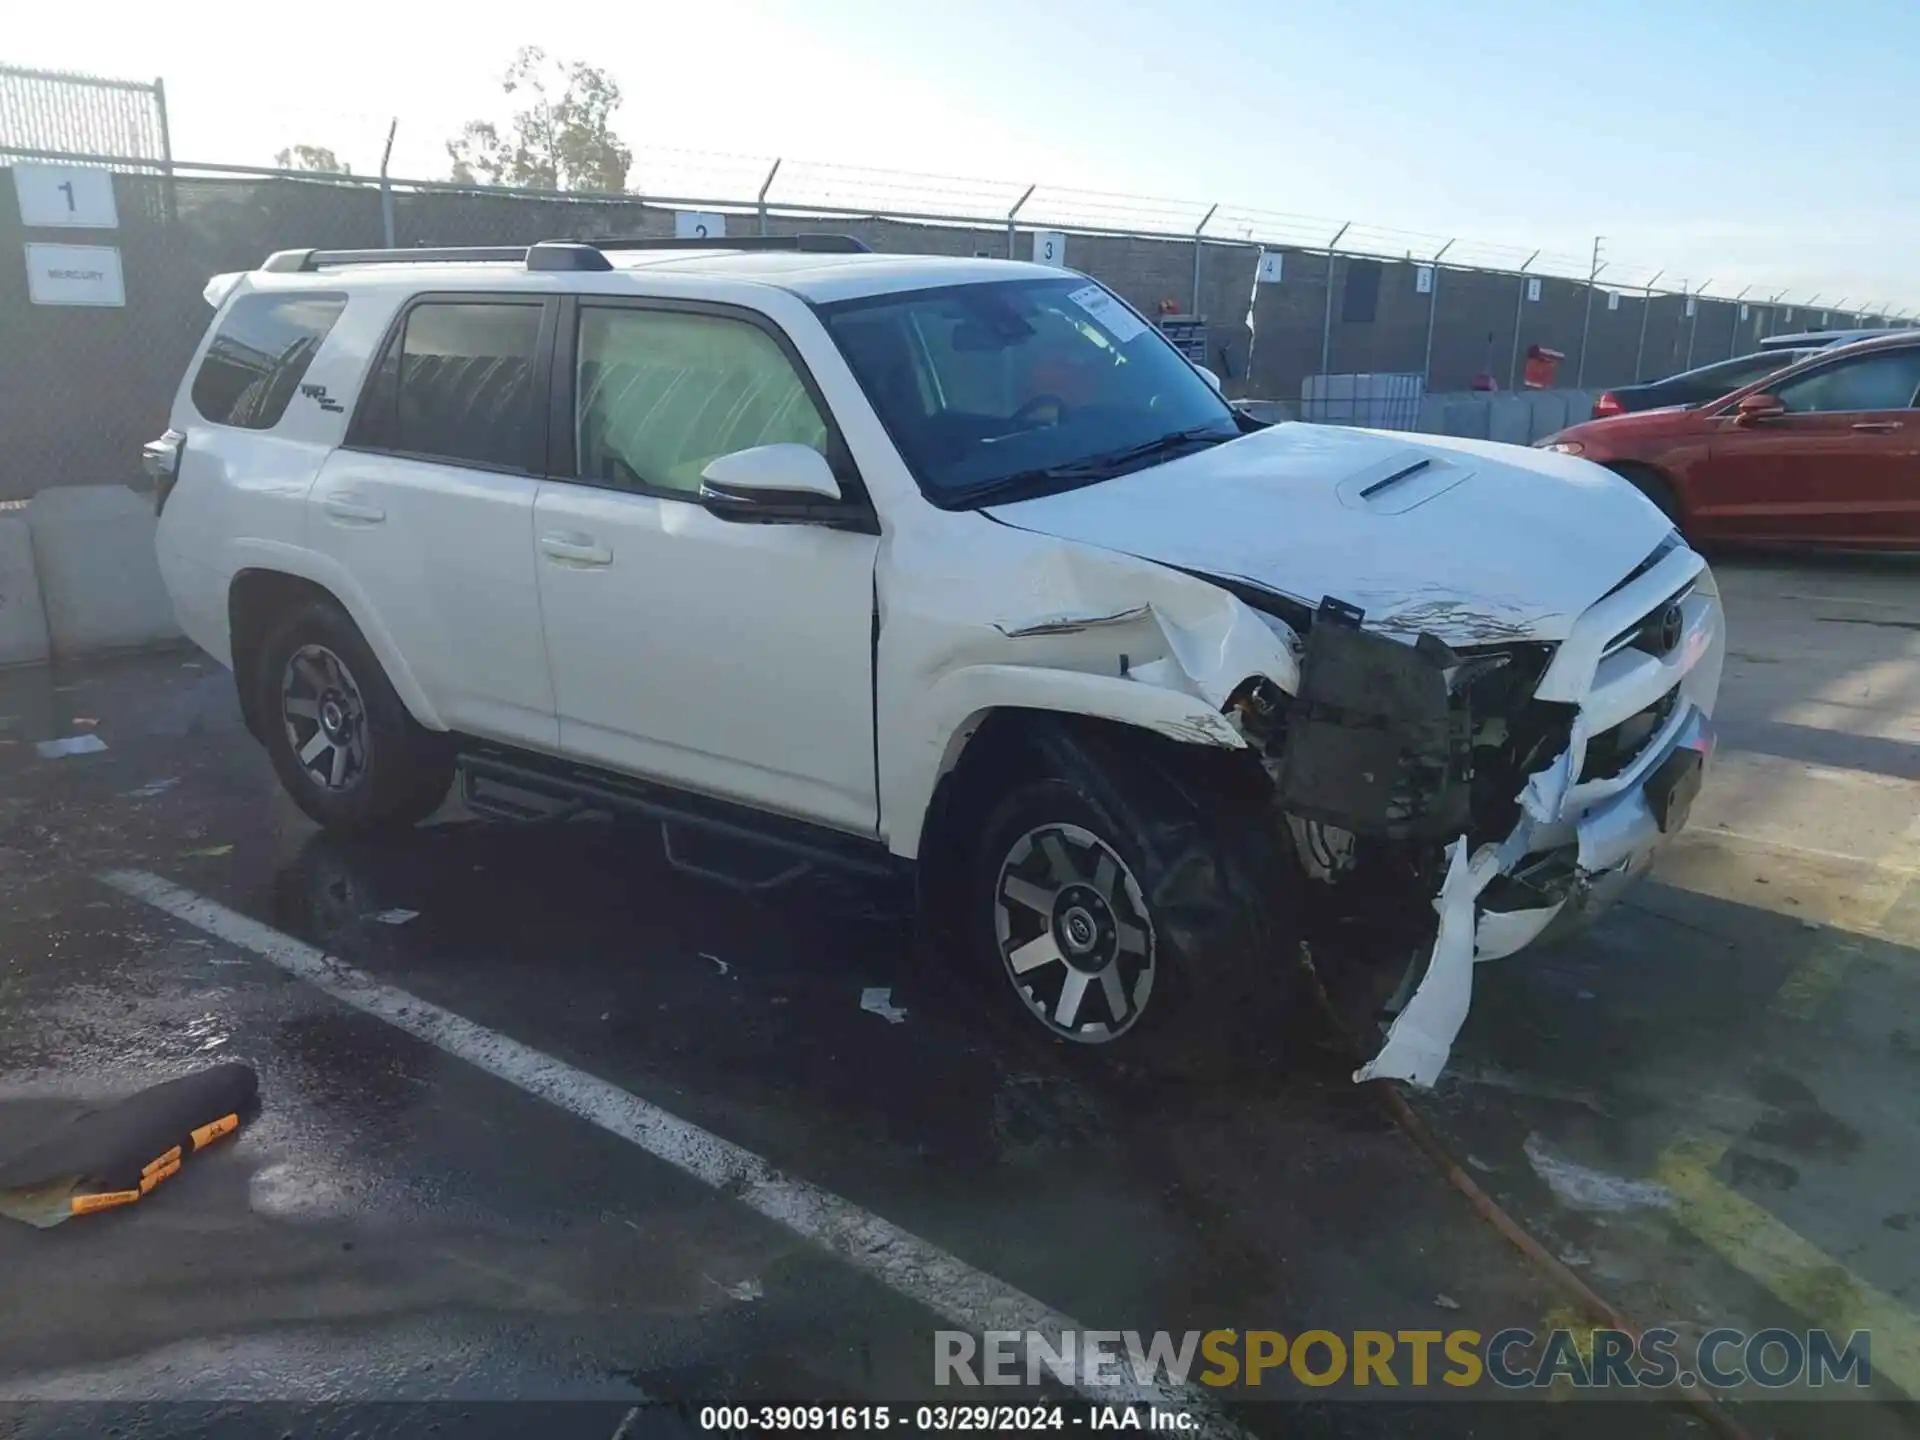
(1641,474)
(987,699)
(259,595)
(999,745)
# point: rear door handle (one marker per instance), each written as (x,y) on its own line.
(354,511)
(574,549)
(1878,427)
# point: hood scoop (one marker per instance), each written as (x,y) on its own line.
(1400,482)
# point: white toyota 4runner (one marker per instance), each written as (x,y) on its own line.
(956,564)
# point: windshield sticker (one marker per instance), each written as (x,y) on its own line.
(1113,317)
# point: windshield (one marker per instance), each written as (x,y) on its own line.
(1024,386)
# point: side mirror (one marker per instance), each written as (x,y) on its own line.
(1755,408)
(1208,376)
(768,483)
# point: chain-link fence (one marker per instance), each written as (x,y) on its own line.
(1273,306)
(83,114)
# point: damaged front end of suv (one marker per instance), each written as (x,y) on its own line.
(1478,796)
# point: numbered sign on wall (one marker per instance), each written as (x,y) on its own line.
(698,225)
(65,197)
(1533,289)
(1613,300)
(1049,247)
(1423,279)
(1743,312)
(1693,307)
(1269,269)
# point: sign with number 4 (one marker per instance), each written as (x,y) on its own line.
(65,197)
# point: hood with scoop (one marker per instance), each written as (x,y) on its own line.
(1473,542)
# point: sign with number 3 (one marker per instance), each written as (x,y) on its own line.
(1049,247)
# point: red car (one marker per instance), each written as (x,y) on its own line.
(1826,452)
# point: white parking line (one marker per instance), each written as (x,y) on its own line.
(967,1298)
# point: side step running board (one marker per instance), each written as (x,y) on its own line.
(756,853)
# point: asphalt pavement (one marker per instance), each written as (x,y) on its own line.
(549,1122)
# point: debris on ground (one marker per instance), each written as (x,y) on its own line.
(154,787)
(879,1000)
(724,967)
(117,1154)
(746,1290)
(71,745)
(1583,1188)
(207,852)
(1446,1302)
(395,916)
(85,722)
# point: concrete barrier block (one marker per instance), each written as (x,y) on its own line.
(99,579)
(1467,417)
(1549,413)
(1509,418)
(23,619)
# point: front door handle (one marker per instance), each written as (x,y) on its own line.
(1878,427)
(571,548)
(354,511)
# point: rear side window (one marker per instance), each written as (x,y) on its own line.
(259,354)
(1886,380)
(459,383)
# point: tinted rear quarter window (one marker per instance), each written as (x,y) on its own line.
(466,375)
(259,354)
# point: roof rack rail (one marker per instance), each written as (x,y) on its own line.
(554,254)
(810,242)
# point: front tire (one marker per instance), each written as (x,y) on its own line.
(1125,909)
(340,739)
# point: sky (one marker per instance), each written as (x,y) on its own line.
(1743,142)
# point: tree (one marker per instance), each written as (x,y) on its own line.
(311,157)
(561,139)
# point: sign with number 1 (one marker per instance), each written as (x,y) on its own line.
(65,197)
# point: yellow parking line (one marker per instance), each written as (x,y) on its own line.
(1817,976)
(1819,973)
(1795,1271)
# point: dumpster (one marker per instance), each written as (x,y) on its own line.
(1542,366)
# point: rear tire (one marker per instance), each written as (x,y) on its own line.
(340,739)
(1656,488)
(1123,908)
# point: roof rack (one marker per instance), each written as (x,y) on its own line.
(554,254)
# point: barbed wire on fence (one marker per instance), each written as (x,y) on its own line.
(122,124)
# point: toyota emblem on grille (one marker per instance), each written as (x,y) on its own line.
(1672,626)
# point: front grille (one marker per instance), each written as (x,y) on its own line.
(1612,751)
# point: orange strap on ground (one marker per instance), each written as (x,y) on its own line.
(87,1204)
(212,1131)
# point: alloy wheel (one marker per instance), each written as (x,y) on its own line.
(1074,933)
(325,718)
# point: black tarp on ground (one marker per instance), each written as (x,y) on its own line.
(113,1154)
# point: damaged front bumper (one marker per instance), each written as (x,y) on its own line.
(1576,859)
